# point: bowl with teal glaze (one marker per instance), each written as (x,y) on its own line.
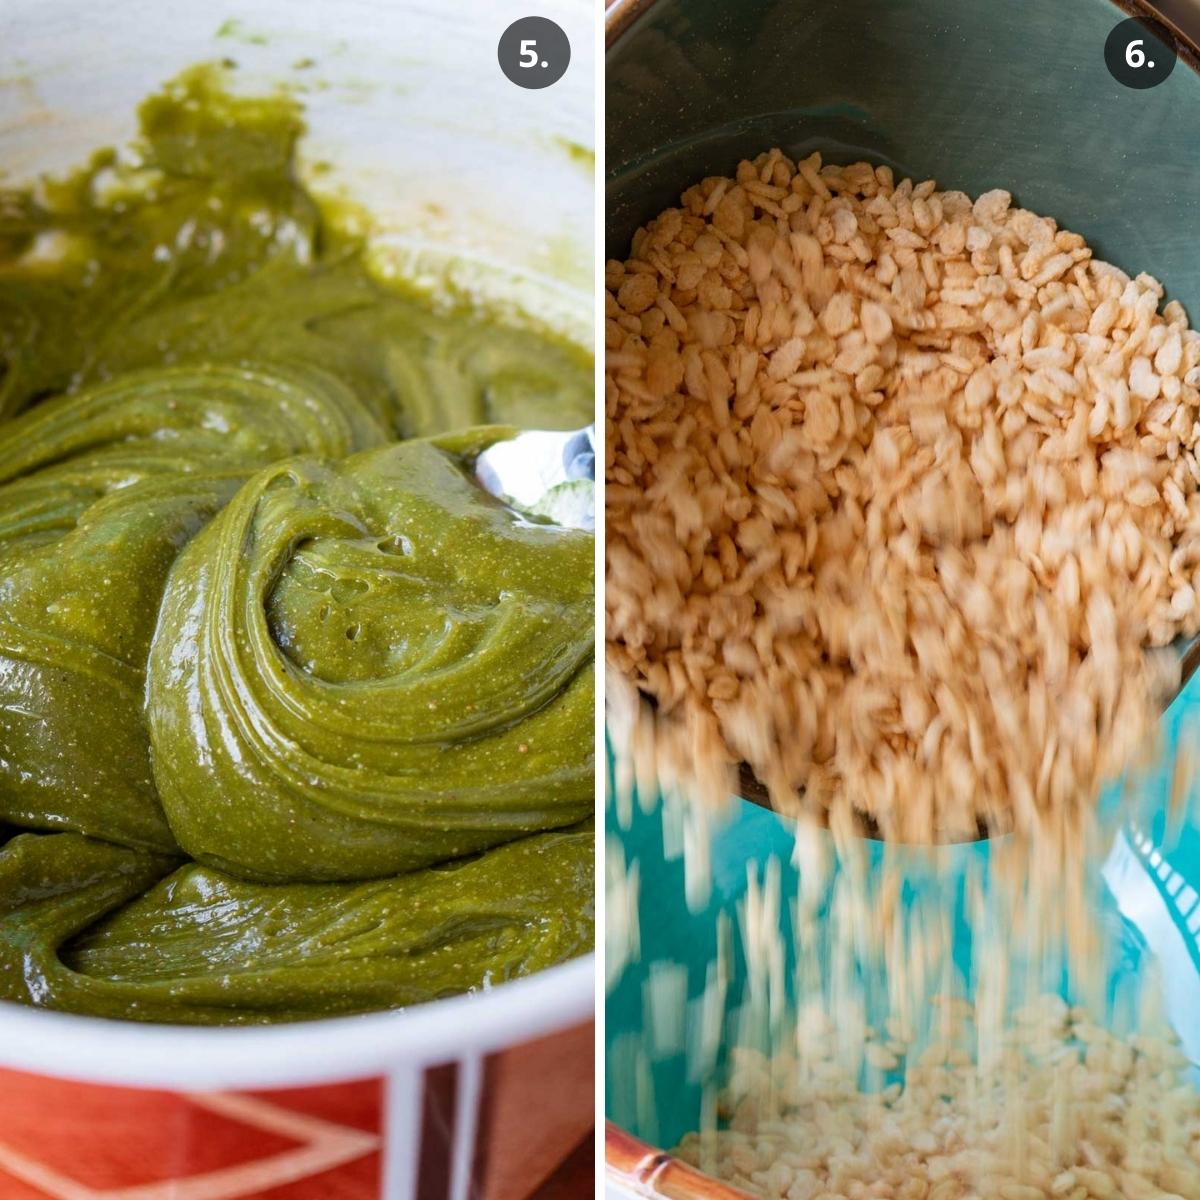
(474,190)
(976,96)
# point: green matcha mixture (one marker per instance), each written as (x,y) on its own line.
(294,718)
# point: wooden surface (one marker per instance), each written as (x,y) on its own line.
(576,1177)
(538,1102)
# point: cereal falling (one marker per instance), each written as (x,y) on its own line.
(901,497)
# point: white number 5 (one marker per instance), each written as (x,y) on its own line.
(529,56)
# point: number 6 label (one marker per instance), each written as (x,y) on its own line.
(1139,53)
(534,52)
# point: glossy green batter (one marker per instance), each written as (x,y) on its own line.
(255,613)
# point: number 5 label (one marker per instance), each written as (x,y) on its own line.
(533,52)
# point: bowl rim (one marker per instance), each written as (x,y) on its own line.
(619,15)
(332,1049)
(635,1168)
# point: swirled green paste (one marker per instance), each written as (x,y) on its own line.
(294,718)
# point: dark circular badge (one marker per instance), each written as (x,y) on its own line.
(1140,53)
(534,52)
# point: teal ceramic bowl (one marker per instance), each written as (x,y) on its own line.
(977,95)
(973,93)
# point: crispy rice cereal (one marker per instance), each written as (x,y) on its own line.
(1067,1110)
(900,487)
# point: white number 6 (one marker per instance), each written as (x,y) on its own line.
(528,49)
(1134,56)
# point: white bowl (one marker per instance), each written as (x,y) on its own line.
(477,187)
